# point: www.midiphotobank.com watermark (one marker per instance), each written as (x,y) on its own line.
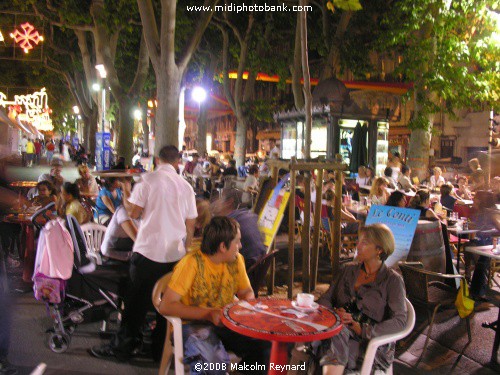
(237,8)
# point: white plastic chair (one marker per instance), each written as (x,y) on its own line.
(374,343)
(174,325)
(94,234)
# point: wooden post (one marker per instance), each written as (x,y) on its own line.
(335,256)
(272,273)
(317,227)
(291,230)
(306,235)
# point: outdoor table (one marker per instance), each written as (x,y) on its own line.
(487,251)
(28,240)
(23,186)
(459,232)
(268,319)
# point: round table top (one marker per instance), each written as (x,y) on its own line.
(117,173)
(23,184)
(18,218)
(277,320)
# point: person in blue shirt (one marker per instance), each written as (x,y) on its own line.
(110,197)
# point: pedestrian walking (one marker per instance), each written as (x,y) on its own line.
(30,153)
(38,151)
(22,146)
(50,147)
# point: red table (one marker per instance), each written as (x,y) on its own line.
(28,240)
(252,319)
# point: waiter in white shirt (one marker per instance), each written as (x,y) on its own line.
(166,204)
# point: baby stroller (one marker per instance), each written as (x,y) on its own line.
(67,281)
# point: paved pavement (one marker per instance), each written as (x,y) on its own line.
(30,320)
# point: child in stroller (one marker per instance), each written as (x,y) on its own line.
(66,279)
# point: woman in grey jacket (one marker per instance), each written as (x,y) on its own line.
(370,300)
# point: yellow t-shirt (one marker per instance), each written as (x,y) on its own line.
(202,283)
(76,209)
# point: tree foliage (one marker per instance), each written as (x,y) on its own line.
(448,51)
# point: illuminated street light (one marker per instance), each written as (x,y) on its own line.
(199,94)
(96,87)
(137,114)
(102,73)
(76,110)
(102,70)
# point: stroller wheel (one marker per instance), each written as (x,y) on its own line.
(76,317)
(59,342)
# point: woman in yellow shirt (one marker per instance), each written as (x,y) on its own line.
(69,203)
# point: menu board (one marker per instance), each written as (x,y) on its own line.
(402,222)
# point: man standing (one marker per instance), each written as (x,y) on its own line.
(167,207)
(30,153)
(38,151)
(274,151)
(50,150)
(22,145)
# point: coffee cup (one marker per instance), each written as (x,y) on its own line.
(305,299)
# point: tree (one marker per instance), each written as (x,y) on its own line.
(99,27)
(449,56)
(169,65)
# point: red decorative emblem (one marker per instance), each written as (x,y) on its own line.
(27,37)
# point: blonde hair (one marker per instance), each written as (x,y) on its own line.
(381,236)
(377,186)
(474,163)
(437,169)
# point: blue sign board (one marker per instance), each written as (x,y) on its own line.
(103,151)
(76,143)
(402,222)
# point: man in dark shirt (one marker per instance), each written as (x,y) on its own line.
(191,165)
(252,246)
(231,169)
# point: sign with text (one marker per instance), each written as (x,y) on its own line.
(402,222)
(272,214)
(103,151)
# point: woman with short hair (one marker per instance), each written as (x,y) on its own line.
(369,298)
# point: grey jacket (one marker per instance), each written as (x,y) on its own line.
(382,300)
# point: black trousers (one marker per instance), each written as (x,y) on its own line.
(144,273)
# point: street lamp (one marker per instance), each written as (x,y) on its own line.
(76,111)
(102,73)
(137,114)
(199,94)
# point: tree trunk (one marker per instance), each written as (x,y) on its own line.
(90,130)
(307,82)
(125,136)
(418,152)
(167,113)
(241,138)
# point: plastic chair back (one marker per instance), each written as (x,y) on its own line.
(94,235)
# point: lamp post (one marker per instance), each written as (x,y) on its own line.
(102,73)
(76,111)
(199,94)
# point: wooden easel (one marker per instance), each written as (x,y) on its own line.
(309,253)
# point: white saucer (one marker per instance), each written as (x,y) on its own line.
(313,307)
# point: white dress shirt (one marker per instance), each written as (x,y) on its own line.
(168,200)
